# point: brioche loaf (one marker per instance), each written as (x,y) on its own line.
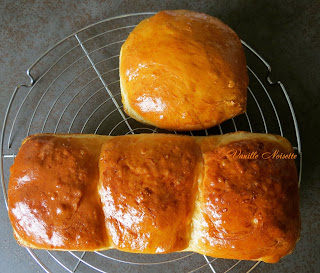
(183,70)
(231,196)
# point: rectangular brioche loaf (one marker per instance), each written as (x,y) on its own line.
(230,196)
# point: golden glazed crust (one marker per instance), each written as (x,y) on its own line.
(157,193)
(148,186)
(183,70)
(53,197)
(248,201)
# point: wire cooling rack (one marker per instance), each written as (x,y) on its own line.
(74,88)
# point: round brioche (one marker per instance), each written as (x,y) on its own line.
(183,70)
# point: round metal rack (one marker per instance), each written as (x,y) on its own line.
(74,88)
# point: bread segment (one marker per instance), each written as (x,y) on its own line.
(249,200)
(147,186)
(53,198)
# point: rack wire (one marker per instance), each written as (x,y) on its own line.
(74,88)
